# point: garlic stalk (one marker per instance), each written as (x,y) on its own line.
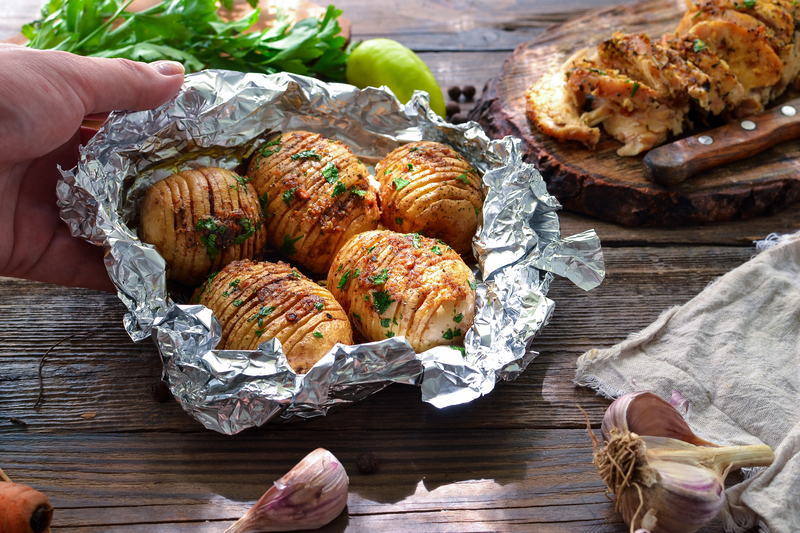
(309,496)
(661,480)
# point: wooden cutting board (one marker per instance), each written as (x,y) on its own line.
(602,184)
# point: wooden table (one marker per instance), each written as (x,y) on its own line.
(111,458)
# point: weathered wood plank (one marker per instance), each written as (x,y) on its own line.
(110,376)
(544,477)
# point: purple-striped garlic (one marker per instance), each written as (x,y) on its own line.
(662,476)
(309,496)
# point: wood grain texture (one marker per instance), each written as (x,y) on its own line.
(601,183)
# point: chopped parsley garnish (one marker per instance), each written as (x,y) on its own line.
(380,279)
(343,280)
(382,300)
(750,3)
(436,250)
(357,316)
(458,318)
(472,284)
(263,200)
(460,349)
(410,166)
(288,244)
(597,71)
(464,178)
(387,171)
(394,321)
(477,210)
(699,45)
(416,238)
(318,306)
(237,303)
(241,180)
(385,322)
(635,88)
(210,240)
(398,221)
(330,173)
(264,311)
(697,14)
(338,189)
(234,284)
(400,183)
(317,334)
(369,250)
(306,154)
(366,297)
(450,334)
(358,192)
(266,151)
(295,274)
(390,334)
(288,196)
(260,332)
(247,226)
(340,268)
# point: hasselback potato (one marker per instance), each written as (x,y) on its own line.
(201,220)
(258,301)
(404,284)
(427,188)
(315,195)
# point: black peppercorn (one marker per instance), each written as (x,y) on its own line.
(454,92)
(452,108)
(459,118)
(469,92)
(366,462)
(160,392)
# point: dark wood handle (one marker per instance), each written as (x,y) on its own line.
(674,163)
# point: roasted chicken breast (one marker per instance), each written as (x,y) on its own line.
(315,194)
(201,220)
(393,284)
(255,302)
(427,188)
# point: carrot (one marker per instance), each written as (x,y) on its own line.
(23,509)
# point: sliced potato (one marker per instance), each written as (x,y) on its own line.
(201,220)
(255,302)
(427,188)
(315,194)
(391,284)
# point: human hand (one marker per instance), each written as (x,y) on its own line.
(44,96)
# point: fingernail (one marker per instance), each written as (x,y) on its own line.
(168,68)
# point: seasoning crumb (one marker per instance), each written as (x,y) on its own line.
(15,420)
(366,462)
(160,392)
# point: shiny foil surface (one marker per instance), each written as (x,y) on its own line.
(221,117)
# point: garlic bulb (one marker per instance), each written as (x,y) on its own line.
(309,496)
(661,479)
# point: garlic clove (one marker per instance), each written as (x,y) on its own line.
(309,496)
(720,459)
(646,413)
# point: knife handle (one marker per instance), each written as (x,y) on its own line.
(673,163)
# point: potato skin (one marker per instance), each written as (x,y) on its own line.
(404,284)
(315,195)
(199,221)
(258,301)
(442,198)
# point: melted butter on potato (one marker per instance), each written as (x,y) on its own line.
(427,188)
(315,195)
(258,301)
(393,284)
(201,220)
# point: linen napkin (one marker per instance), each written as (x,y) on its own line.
(734,353)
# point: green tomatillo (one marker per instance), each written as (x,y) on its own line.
(379,62)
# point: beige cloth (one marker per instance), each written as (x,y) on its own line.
(734,353)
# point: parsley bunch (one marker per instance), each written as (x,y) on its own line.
(191,32)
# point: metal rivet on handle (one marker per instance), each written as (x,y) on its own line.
(705,139)
(748,125)
(788,111)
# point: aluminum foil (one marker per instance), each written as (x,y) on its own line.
(220,117)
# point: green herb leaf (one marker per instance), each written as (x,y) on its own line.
(260,332)
(635,88)
(464,178)
(317,334)
(460,349)
(237,303)
(699,45)
(387,171)
(369,250)
(415,239)
(410,166)
(381,278)
(288,244)
(338,189)
(249,230)
(382,301)
(318,306)
(750,4)
(450,334)
(288,196)
(358,192)
(263,201)
(357,316)
(385,322)
(343,280)
(264,311)
(458,318)
(400,183)
(398,221)
(330,173)
(436,250)
(472,285)
(413,149)
(306,154)
(697,14)
(390,334)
